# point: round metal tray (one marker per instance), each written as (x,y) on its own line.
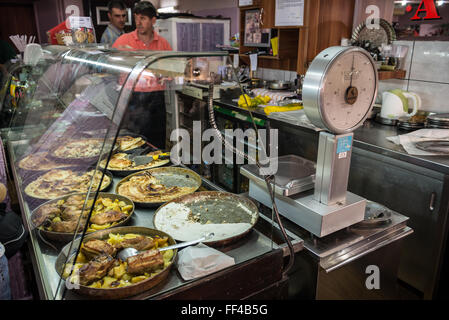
(167,176)
(385,121)
(405,124)
(279,85)
(67,236)
(438,121)
(27,179)
(439,117)
(125,173)
(43,154)
(213,207)
(435,126)
(123,292)
(75,160)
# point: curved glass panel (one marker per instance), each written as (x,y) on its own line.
(104,143)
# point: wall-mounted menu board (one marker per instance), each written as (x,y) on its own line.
(289,13)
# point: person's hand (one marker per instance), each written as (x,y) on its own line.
(2,192)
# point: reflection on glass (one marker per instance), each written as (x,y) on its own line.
(94,120)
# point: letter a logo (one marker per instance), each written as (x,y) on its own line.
(373,281)
(427,6)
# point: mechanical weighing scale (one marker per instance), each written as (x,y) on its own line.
(339,91)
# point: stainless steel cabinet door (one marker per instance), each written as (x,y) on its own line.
(415,192)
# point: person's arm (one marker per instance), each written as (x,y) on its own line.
(104,37)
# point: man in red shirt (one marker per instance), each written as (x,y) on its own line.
(146,112)
(144,37)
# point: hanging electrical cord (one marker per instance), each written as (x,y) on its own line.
(242,154)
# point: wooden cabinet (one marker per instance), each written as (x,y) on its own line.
(325,23)
(268,9)
(288,52)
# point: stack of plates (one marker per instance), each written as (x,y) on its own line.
(434,146)
(405,123)
(438,120)
(386,121)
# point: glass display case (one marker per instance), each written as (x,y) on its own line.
(87,145)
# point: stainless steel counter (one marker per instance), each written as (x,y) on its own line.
(371,136)
(257,112)
(414,186)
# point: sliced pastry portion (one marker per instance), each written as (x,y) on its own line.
(59,182)
(81,149)
(40,162)
(128,142)
(123,162)
(146,188)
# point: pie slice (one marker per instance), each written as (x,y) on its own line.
(128,143)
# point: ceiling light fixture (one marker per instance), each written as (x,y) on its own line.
(168,9)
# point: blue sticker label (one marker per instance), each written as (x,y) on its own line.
(344,144)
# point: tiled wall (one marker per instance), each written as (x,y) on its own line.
(274,74)
(427,67)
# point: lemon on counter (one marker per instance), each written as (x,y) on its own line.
(246,101)
(290,107)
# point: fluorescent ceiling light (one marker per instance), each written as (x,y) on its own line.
(168,9)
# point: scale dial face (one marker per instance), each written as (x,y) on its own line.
(345,91)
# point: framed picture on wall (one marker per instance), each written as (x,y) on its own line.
(102,16)
(254,35)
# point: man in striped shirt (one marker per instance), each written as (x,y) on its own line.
(117,14)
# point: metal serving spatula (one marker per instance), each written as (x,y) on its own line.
(141,160)
(139,157)
(129,252)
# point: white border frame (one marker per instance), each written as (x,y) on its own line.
(105,23)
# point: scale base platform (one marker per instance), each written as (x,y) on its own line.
(308,213)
